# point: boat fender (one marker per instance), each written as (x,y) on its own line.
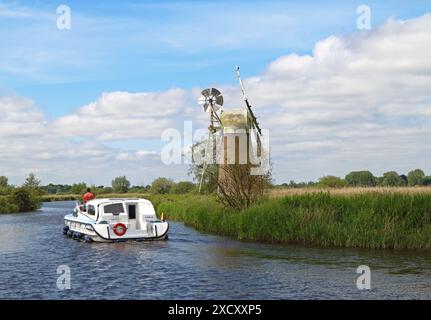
(88,239)
(119,229)
(76,235)
(65,229)
(69,233)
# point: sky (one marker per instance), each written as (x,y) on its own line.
(91,102)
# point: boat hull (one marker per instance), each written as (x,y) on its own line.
(90,231)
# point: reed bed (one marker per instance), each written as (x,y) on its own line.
(385,220)
(281,192)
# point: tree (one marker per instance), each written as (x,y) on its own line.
(360,179)
(405,179)
(416,177)
(140,189)
(56,188)
(331,182)
(25,199)
(31,182)
(209,181)
(427,181)
(392,179)
(238,188)
(4,182)
(183,187)
(104,190)
(161,186)
(78,188)
(120,184)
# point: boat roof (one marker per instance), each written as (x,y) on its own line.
(96,202)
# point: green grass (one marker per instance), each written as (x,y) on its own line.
(366,220)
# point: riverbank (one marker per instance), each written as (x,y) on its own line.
(385,220)
(395,218)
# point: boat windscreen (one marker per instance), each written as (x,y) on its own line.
(115,208)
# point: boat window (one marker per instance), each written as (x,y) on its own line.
(115,208)
(132,211)
(91,210)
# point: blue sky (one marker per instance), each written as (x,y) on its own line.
(155,46)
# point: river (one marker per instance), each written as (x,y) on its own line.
(192,265)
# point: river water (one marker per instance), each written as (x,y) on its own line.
(192,265)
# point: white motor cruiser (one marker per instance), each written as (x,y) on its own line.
(115,220)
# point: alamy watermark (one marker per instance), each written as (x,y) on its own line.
(231,146)
(64,279)
(64,20)
(363,282)
(363,22)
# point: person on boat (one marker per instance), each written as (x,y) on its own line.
(88,196)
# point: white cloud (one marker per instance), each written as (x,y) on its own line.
(124,115)
(365,97)
(360,101)
(137,155)
(64,151)
(19,117)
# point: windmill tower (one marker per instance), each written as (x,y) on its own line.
(235,135)
(211,101)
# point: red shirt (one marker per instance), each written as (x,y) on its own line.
(88,196)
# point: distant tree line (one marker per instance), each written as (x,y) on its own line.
(119,185)
(365,178)
(122,185)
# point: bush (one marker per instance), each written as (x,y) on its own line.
(416,177)
(6,206)
(360,179)
(183,187)
(4,191)
(331,182)
(25,200)
(161,186)
(140,189)
(4,182)
(120,184)
(78,188)
(392,179)
(104,190)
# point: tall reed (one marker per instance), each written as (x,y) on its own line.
(366,220)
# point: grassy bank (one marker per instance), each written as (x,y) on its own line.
(351,217)
(281,192)
(367,220)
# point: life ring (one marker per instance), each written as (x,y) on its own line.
(120,229)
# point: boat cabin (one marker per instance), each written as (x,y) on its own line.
(118,209)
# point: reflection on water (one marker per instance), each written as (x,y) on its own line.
(191,265)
